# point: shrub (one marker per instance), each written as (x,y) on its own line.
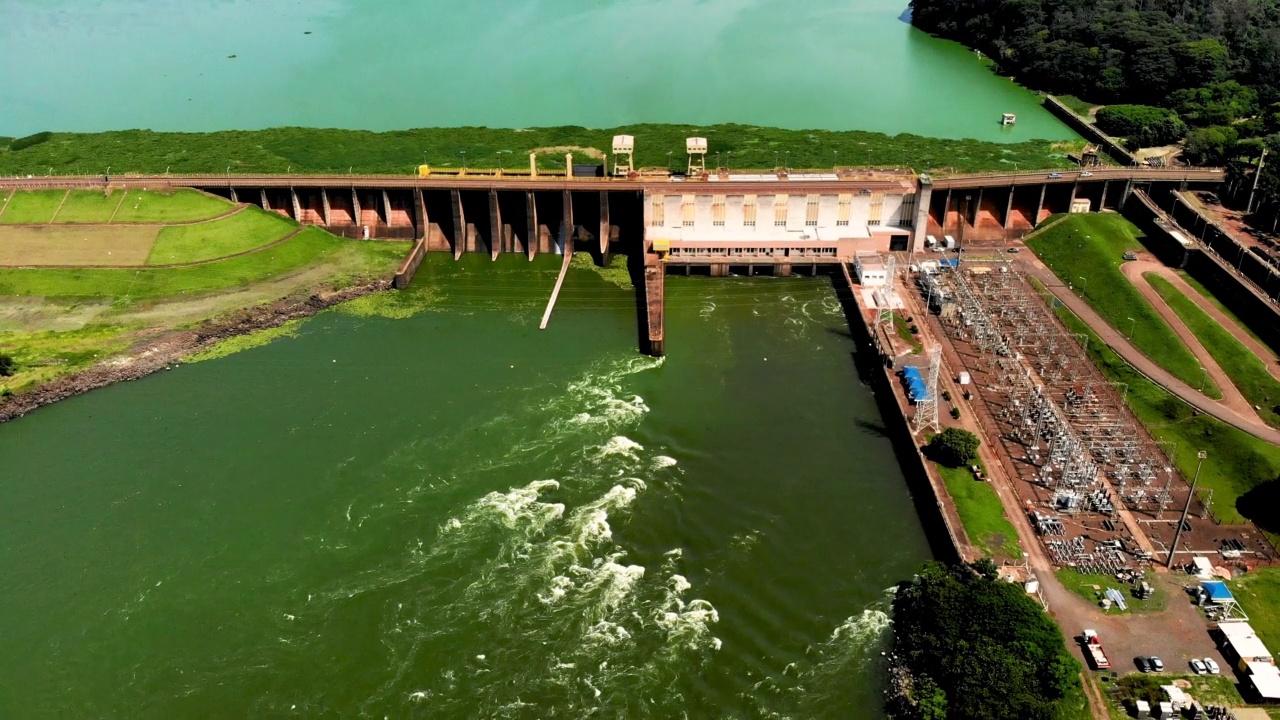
(1142,125)
(7,365)
(23,143)
(955,413)
(954,447)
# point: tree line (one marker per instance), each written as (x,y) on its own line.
(1204,72)
(974,646)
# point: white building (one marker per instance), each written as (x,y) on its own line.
(763,219)
(871,270)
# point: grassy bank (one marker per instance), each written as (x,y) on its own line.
(1237,460)
(308,247)
(1213,300)
(1086,251)
(305,150)
(248,229)
(1259,596)
(56,320)
(1082,584)
(981,513)
(1246,370)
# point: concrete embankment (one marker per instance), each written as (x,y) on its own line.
(1105,142)
(933,505)
(1182,237)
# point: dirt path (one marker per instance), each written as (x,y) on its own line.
(1231,396)
(1248,423)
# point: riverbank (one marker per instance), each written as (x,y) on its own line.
(312,150)
(173,347)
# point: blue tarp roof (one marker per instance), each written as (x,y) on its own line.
(916,388)
(1217,590)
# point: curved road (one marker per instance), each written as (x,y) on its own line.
(1248,423)
(1231,396)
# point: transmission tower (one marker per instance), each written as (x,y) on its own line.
(927,406)
(885,306)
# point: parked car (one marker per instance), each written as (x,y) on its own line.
(1157,665)
(1055,176)
(1014,250)
(1198,666)
(1211,666)
(1143,665)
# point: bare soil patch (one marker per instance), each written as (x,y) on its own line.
(77,246)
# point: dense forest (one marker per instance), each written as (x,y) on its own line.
(974,646)
(1211,66)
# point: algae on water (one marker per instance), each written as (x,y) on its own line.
(258,338)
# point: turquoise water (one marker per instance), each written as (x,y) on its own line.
(831,64)
(458,515)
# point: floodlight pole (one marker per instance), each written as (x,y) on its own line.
(1185,509)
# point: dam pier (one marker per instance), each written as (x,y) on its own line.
(716,222)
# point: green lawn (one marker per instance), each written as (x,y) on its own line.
(144,206)
(1237,461)
(305,150)
(1204,291)
(245,230)
(1086,251)
(904,331)
(28,207)
(309,246)
(1080,107)
(1259,596)
(1246,370)
(981,513)
(88,206)
(1082,585)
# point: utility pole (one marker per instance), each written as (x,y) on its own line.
(1257,174)
(1186,508)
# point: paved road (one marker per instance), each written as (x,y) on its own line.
(1264,353)
(1248,423)
(1231,397)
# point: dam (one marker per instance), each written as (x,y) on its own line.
(776,221)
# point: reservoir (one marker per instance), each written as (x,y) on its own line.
(366,64)
(455,514)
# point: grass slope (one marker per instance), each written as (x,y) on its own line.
(1259,595)
(245,230)
(981,513)
(1086,251)
(310,246)
(1237,460)
(307,150)
(1208,295)
(142,206)
(87,206)
(32,206)
(1246,370)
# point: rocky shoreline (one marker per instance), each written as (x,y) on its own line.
(163,352)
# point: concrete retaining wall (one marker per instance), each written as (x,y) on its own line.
(1105,142)
(405,274)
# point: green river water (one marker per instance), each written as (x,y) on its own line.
(454,514)
(831,64)
(458,515)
